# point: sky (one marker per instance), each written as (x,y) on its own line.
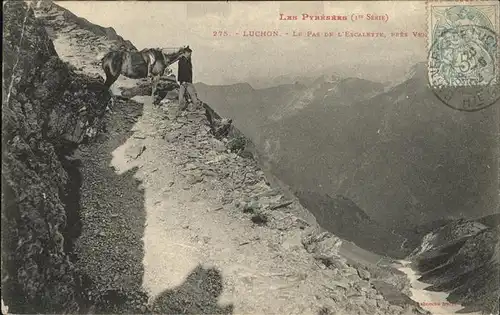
(236,58)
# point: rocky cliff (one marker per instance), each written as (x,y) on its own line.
(48,109)
(57,18)
(462,258)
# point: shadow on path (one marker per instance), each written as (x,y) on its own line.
(197,295)
(110,249)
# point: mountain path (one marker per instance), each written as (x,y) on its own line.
(185,225)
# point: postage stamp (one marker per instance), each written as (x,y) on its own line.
(463,53)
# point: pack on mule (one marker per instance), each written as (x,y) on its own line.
(149,62)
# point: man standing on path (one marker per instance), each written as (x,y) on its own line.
(185,77)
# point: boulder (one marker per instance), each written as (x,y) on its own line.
(364,274)
(324,246)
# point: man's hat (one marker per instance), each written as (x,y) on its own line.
(187,49)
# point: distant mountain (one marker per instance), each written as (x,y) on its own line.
(262,83)
(348,91)
(399,153)
(241,102)
(392,74)
(266,82)
(252,108)
(403,156)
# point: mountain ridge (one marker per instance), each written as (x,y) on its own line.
(260,107)
(62,17)
(406,116)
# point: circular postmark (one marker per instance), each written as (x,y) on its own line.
(463,67)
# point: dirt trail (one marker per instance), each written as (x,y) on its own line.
(185,229)
(187,225)
(201,251)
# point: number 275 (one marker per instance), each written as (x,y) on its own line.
(220,33)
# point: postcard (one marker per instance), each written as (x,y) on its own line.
(251,157)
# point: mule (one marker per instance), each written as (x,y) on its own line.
(149,62)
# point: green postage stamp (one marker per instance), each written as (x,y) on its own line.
(463,52)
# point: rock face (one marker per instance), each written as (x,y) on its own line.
(447,235)
(47,110)
(462,258)
(324,246)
